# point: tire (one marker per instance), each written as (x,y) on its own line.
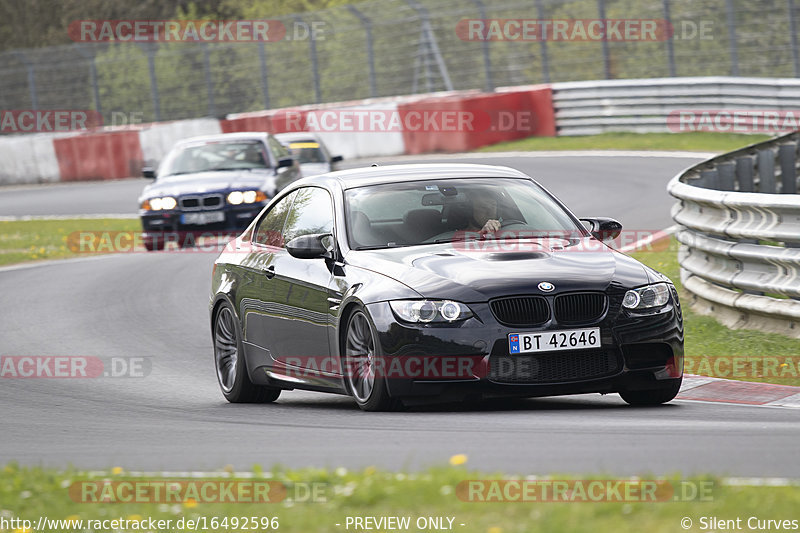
(652,396)
(154,245)
(359,352)
(230,365)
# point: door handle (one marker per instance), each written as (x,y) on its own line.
(269,272)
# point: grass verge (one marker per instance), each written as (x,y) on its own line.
(696,141)
(35,240)
(705,337)
(30,493)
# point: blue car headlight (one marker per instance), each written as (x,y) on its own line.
(647,297)
(427,311)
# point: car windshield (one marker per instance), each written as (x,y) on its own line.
(307,152)
(240,155)
(429,212)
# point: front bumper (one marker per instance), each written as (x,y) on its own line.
(451,362)
(236,218)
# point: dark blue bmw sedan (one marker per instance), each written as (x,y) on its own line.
(213,184)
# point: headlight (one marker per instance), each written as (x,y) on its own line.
(246,197)
(426,311)
(157,204)
(646,297)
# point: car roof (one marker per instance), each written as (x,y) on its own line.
(297,136)
(222,137)
(377,175)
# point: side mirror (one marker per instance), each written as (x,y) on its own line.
(603,228)
(285,162)
(149,172)
(311,246)
(337,159)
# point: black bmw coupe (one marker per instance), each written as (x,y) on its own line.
(411,284)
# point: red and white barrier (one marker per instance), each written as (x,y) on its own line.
(439,122)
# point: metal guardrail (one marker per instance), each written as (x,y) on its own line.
(645,105)
(739,218)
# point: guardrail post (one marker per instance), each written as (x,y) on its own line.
(709,179)
(766,171)
(786,156)
(727,176)
(543,46)
(669,42)
(601,13)
(744,173)
(367,23)
(732,44)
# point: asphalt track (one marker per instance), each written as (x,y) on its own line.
(155,306)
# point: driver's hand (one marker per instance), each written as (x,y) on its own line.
(491,226)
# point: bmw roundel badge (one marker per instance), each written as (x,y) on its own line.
(546,286)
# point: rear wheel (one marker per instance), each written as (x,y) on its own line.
(652,396)
(362,375)
(230,363)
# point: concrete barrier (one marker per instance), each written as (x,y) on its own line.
(99,155)
(28,159)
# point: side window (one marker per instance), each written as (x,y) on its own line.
(311,212)
(277,148)
(269,229)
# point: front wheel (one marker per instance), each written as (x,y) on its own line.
(652,396)
(365,381)
(230,364)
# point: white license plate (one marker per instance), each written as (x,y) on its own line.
(551,341)
(200,219)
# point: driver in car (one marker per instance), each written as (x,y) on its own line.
(484,217)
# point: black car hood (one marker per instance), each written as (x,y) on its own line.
(206,182)
(454,271)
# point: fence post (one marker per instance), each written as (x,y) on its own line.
(212,110)
(732,38)
(262,58)
(367,23)
(92,75)
(669,41)
(543,45)
(150,49)
(31,78)
(601,13)
(312,51)
(793,36)
(487,63)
